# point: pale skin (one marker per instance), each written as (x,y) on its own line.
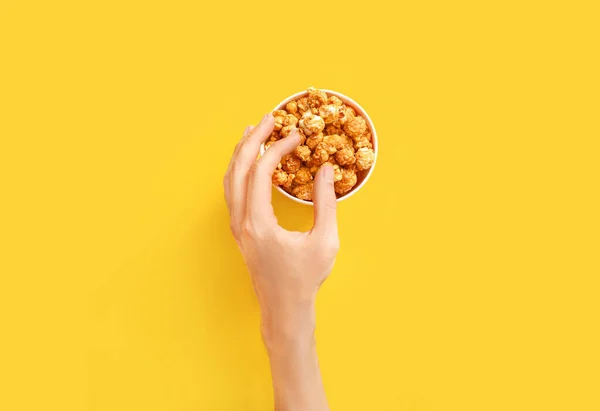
(286,268)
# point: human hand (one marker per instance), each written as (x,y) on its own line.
(286,268)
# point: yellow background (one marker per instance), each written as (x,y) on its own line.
(468,274)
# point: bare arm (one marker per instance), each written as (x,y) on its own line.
(286,268)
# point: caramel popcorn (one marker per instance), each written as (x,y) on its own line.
(313,140)
(365,157)
(304,191)
(331,132)
(290,120)
(337,173)
(303,176)
(279,177)
(347,181)
(329,113)
(291,107)
(320,155)
(287,130)
(345,156)
(291,163)
(316,97)
(335,101)
(311,123)
(355,127)
(302,152)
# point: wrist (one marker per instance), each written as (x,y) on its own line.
(291,327)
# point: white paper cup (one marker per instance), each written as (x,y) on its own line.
(363,176)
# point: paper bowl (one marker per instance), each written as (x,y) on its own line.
(363,176)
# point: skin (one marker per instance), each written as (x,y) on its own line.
(286,268)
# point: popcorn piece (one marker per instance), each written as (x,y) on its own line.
(331,129)
(290,120)
(274,136)
(316,98)
(279,177)
(288,184)
(303,105)
(292,107)
(311,123)
(304,191)
(287,130)
(320,154)
(345,156)
(346,114)
(291,163)
(347,181)
(329,113)
(337,141)
(365,157)
(362,142)
(337,173)
(279,116)
(303,176)
(335,100)
(355,127)
(313,140)
(302,152)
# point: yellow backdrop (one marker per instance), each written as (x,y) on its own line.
(468,274)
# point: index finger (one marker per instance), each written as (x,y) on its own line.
(259,188)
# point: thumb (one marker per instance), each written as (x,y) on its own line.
(325,202)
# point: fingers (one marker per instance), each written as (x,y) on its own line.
(246,156)
(227,177)
(259,186)
(325,203)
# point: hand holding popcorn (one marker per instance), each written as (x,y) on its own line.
(286,268)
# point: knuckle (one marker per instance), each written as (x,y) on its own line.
(234,229)
(248,228)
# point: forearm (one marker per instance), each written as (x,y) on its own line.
(290,342)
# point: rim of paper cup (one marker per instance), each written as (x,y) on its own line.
(370,125)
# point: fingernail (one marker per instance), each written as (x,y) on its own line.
(265,117)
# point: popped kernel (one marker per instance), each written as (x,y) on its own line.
(290,120)
(279,177)
(303,105)
(313,140)
(303,191)
(302,152)
(291,163)
(287,130)
(347,181)
(279,117)
(337,141)
(365,157)
(288,184)
(316,97)
(269,144)
(345,156)
(320,155)
(311,123)
(346,114)
(337,173)
(303,176)
(329,113)
(355,127)
(362,142)
(292,107)
(331,129)
(335,100)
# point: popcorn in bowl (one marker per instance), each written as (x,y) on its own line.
(333,130)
